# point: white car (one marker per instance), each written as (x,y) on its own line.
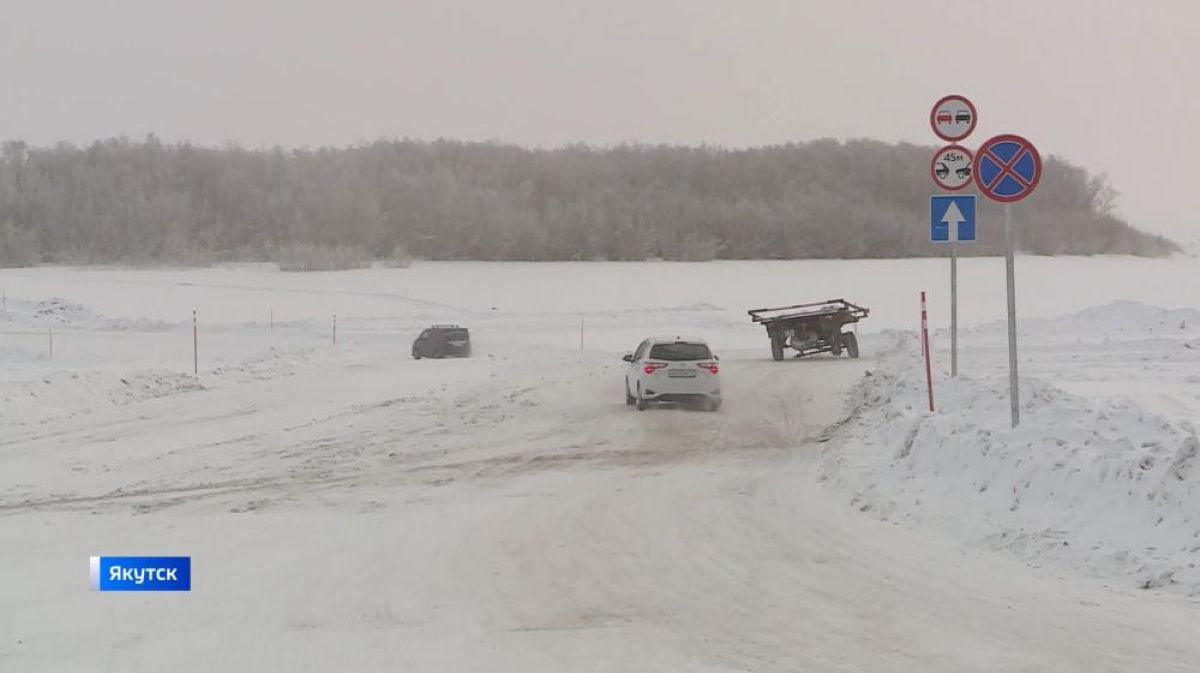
(673,369)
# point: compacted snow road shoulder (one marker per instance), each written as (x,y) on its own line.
(525,520)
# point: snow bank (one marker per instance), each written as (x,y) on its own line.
(1102,487)
(1115,320)
(61,394)
(56,312)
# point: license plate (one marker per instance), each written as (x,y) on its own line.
(457,343)
(681,374)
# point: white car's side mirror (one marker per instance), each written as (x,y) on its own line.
(628,357)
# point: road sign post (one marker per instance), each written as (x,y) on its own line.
(925,350)
(953,309)
(1008,169)
(953,118)
(1014,392)
(951,220)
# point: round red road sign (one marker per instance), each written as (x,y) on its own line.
(1007,168)
(953,118)
(951,167)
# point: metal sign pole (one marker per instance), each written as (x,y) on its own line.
(925,350)
(195,344)
(953,118)
(953,309)
(1014,393)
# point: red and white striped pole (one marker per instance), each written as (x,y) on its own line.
(925,348)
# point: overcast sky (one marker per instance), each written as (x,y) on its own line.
(1113,86)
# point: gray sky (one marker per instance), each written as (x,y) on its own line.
(1113,86)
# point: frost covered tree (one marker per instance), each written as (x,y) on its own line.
(148,201)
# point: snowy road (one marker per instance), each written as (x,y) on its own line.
(509,513)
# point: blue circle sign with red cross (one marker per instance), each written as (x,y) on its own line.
(1007,168)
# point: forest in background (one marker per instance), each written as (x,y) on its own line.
(146,201)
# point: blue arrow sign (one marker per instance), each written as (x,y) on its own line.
(951,218)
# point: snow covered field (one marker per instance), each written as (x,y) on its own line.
(348,508)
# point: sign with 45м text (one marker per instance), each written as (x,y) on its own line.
(952,218)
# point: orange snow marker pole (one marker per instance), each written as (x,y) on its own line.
(195,345)
(925,348)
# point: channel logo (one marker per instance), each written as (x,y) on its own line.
(141,573)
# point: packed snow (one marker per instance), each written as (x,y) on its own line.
(349,508)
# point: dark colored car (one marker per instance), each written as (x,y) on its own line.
(443,341)
(962,117)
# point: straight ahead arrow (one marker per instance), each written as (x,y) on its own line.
(952,219)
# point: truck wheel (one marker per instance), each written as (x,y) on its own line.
(777,348)
(851,341)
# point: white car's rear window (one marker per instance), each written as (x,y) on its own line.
(680,351)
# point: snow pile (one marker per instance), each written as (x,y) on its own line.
(63,394)
(1106,488)
(1116,320)
(57,312)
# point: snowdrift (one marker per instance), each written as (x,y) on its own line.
(61,313)
(62,394)
(1115,320)
(1105,488)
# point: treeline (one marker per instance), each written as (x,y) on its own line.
(147,201)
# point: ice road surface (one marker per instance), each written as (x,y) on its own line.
(348,508)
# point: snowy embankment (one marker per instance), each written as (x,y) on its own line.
(1095,483)
(118,364)
(62,394)
(48,393)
